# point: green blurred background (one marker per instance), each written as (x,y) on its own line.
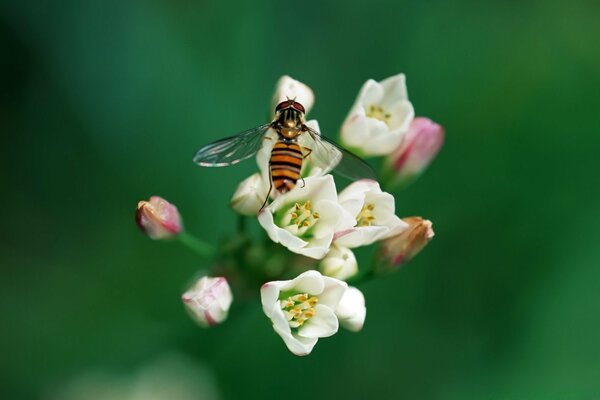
(103,103)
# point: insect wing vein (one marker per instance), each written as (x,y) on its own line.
(233,149)
(328,155)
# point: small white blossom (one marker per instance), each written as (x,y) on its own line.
(351,310)
(208,301)
(304,220)
(250,195)
(340,263)
(379,118)
(374,211)
(303,309)
(288,87)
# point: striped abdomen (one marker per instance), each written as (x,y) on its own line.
(285,164)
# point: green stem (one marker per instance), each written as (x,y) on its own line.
(202,248)
(241,225)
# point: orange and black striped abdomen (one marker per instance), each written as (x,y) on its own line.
(285,164)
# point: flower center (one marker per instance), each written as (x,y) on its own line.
(365,216)
(300,218)
(298,309)
(379,113)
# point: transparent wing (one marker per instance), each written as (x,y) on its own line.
(328,155)
(233,149)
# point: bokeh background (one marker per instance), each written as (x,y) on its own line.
(103,103)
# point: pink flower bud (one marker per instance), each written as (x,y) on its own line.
(208,301)
(419,147)
(400,249)
(158,218)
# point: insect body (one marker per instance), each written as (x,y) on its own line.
(285,165)
(287,155)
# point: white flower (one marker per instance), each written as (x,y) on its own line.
(208,301)
(290,88)
(304,220)
(303,309)
(351,311)
(379,118)
(250,195)
(339,263)
(374,211)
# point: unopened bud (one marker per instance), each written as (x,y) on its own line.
(250,195)
(419,147)
(400,249)
(340,263)
(208,301)
(351,310)
(158,218)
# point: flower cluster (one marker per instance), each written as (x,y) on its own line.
(320,223)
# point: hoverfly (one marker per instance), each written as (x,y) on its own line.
(287,156)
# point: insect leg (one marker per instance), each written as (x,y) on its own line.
(269,192)
(308,149)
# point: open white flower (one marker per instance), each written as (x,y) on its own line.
(288,87)
(208,301)
(340,263)
(304,220)
(374,211)
(351,310)
(379,118)
(303,309)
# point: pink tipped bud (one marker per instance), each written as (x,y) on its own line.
(400,249)
(208,301)
(158,218)
(419,147)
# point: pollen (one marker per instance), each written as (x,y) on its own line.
(298,309)
(300,218)
(379,113)
(366,216)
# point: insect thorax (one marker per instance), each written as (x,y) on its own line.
(289,123)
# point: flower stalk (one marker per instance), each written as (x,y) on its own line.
(203,249)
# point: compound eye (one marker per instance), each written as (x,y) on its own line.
(298,107)
(282,106)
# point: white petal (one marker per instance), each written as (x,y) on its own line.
(323,324)
(395,87)
(269,295)
(351,310)
(333,291)
(371,92)
(333,217)
(402,114)
(315,188)
(352,198)
(362,236)
(310,282)
(277,234)
(300,346)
